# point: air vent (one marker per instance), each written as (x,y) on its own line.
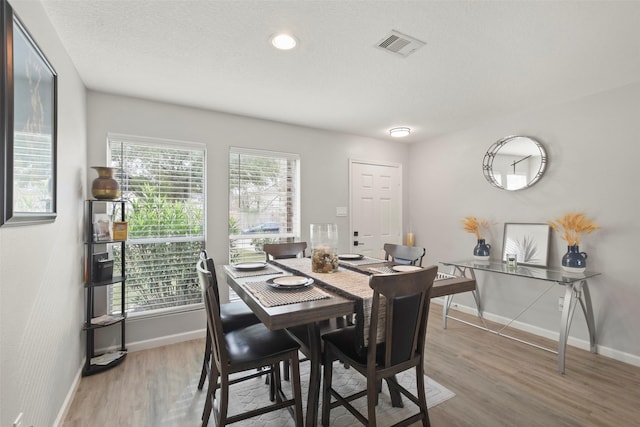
(400,44)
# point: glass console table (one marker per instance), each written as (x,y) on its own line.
(576,291)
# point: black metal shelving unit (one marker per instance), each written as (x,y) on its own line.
(93,364)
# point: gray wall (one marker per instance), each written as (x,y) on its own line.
(41,291)
(593,150)
(324,174)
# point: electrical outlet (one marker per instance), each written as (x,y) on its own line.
(560,303)
(18,421)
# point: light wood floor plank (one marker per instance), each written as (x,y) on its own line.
(497,381)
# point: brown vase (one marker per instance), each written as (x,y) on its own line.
(105,187)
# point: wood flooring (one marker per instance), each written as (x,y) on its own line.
(497,382)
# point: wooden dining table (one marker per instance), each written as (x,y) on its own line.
(334,295)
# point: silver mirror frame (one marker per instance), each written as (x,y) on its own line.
(489,157)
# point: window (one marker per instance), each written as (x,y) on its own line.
(163,182)
(264,201)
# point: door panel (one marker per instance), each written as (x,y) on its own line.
(376,207)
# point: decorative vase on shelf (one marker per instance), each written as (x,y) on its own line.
(574,261)
(481,251)
(105,187)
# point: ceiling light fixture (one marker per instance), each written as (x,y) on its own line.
(283,41)
(399,132)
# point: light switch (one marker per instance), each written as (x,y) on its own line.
(341,211)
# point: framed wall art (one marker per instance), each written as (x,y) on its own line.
(529,242)
(28,120)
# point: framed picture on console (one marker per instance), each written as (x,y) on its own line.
(28,119)
(530,242)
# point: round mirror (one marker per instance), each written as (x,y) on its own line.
(514,163)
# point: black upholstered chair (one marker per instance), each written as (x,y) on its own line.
(245,349)
(406,302)
(401,254)
(233,315)
(284,250)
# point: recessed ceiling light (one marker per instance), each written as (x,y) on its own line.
(283,41)
(399,132)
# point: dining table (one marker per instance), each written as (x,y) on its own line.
(323,296)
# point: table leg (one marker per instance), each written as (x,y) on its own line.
(313,397)
(568,307)
(448,299)
(587,309)
(445,310)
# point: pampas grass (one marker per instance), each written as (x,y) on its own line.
(572,226)
(473,225)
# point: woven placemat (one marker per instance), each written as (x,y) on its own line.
(363,261)
(383,270)
(269,269)
(270,297)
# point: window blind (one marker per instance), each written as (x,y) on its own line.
(264,201)
(164,184)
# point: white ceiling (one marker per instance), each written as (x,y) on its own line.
(481,60)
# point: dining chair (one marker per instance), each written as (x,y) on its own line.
(400,254)
(243,349)
(284,250)
(233,315)
(406,304)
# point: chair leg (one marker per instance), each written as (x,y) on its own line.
(372,400)
(205,362)
(211,393)
(422,398)
(326,388)
(223,406)
(297,389)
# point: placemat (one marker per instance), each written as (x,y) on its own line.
(350,284)
(270,297)
(363,261)
(443,276)
(269,269)
(383,270)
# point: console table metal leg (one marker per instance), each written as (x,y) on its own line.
(568,308)
(445,310)
(587,309)
(448,299)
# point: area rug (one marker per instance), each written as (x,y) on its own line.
(254,393)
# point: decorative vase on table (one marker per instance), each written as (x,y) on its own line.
(105,187)
(481,251)
(574,261)
(324,248)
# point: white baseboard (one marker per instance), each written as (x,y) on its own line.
(170,339)
(64,409)
(621,356)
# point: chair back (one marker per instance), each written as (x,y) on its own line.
(400,254)
(406,302)
(206,277)
(285,250)
(212,281)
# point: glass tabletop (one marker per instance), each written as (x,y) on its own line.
(523,271)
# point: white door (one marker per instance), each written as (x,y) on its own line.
(376,206)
